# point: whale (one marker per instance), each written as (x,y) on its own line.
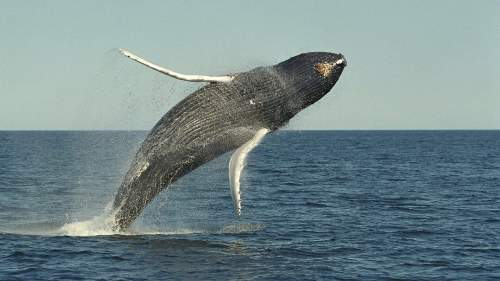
(230,113)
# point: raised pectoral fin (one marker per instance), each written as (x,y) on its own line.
(236,165)
(186,77)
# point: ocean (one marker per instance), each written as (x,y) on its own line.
(316,205)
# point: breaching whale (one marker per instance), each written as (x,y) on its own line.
(231,112)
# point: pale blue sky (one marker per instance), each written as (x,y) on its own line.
(411,64)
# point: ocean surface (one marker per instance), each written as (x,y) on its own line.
(317,205)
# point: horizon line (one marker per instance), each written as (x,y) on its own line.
(295,130)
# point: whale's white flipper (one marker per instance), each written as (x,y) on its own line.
(186,77)
(236,165)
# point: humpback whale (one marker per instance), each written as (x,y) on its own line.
(231,112)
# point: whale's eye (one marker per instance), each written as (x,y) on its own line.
(324,68)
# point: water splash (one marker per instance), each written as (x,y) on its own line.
(236,165)
(100,225)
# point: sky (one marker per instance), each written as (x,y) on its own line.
(411,64)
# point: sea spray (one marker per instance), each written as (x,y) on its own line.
(98,225)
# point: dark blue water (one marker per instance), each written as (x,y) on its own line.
(369,205)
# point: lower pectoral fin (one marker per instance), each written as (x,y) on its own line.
(236,165)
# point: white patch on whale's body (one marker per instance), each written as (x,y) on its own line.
(236,165)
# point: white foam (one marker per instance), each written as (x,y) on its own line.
(100,225)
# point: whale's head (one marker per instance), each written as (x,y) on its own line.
(310,76)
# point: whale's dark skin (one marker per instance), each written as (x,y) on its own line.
(218,118)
